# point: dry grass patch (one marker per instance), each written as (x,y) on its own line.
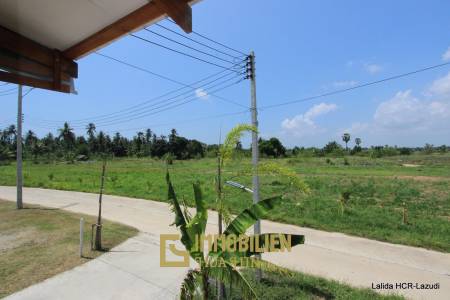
(37,243)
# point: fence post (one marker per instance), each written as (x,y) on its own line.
(81,236)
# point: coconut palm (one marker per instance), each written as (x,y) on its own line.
(197,281)
(346,139)
(67,136)
(90,130)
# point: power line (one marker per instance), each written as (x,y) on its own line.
(181,121)
(177,51)
(14,92)
(192,87)
(29,91)
(147,104)
(211,40)
(6,91)
(187,46)
(164,107)
(159,109)
(139,68)
(355,87)
(195,41)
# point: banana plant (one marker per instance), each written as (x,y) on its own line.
(196,284)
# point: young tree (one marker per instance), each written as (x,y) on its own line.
(346,139)
(223,265)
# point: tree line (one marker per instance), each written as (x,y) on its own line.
(68,146)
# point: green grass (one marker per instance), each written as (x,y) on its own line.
(294,285)
(378,190)
(37,243)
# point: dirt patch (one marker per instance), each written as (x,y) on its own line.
(422,178)
(13,240)
(411,165)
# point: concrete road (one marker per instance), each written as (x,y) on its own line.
(132,270)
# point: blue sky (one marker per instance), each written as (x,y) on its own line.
(303,48)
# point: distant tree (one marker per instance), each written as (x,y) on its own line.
(160,147)
(442,149)
(332,147)
(358,141)
(67,136)
(428,148)
(119,145)
(30,139)
(272,147)
(195,149)
(346,139)
(90,130)
(405,151)
(103,143)
(295,150)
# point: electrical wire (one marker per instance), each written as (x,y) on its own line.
(355,87)
(195,41)
(187,46)
(177,51)
(211,40)
(150,103)
(164,107)
(192,86)
(180,122)
(155,110)
(9,90)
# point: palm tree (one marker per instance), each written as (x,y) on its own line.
(346,139)
(358,141)
(10,133)
(67,136)
(218,263)
(90,130)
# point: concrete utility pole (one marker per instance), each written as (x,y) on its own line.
(19,176)
(255,149)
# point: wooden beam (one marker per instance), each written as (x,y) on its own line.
(27,48)
(30,81)
(18,63)
(30,63)
(137,19)
(179,11)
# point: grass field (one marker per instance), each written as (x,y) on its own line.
(37,243)
(379,190)
(298,286)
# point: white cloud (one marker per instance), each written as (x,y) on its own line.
(441,87)
(446,55)
(373,68)
(344,84)
(402,111)
(406,112)
(202,94)
(303,124)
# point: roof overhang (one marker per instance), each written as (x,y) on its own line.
(41,39)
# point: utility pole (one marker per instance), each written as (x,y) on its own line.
(255,148)
(19,176)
